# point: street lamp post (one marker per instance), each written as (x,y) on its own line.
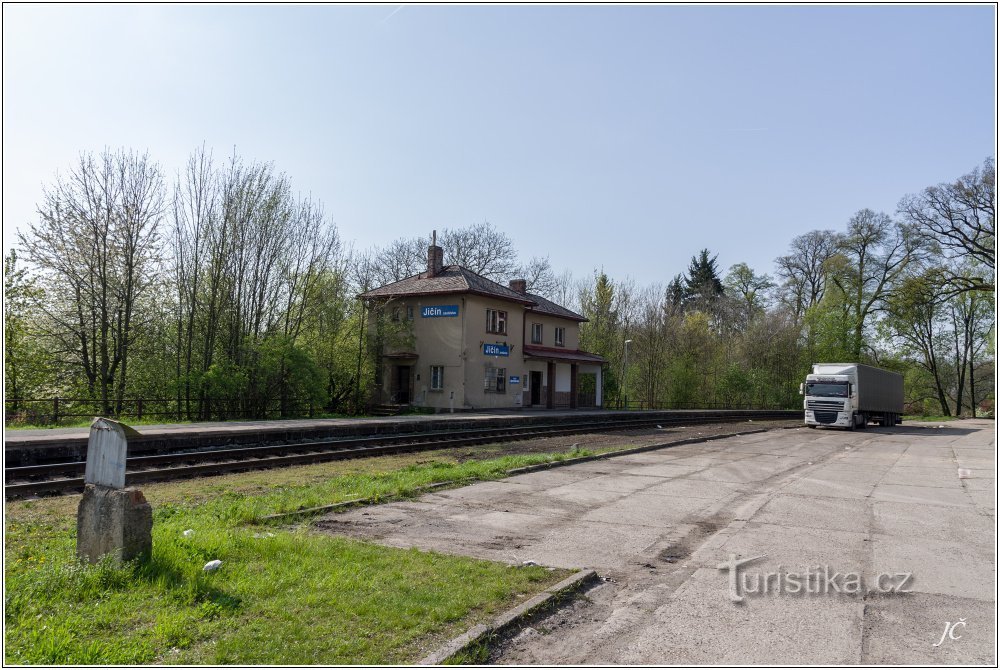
(625,373)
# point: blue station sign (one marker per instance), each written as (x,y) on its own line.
(496,350)
(515,379)
(433,311)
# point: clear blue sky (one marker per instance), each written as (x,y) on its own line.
(622,137)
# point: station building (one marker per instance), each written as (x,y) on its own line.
(469,343)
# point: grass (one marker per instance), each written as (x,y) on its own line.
(282,595)
(935,419)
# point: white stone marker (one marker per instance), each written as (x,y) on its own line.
(111,519)
(106,451)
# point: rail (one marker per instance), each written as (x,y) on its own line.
(55,477)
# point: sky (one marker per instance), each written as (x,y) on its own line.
(622,138)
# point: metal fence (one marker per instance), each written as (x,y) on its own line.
(55,411)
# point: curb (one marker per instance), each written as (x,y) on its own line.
(481,634)
(323,509)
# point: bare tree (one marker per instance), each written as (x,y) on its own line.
(250,261)
(873,255)
(539,276)
(481,248)
(961,218)
(402,258)
(803,271)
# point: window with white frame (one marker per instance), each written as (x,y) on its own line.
(437,377)
(496,380)
(560,337)
(496,321)
(536,333)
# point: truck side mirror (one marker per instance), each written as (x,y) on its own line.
(801,389)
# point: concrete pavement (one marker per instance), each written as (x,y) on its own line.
(657,525)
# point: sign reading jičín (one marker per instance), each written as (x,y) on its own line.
(433,311)
(496,350)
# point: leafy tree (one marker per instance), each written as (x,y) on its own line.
(751,289)
(21,298)
(873,254)
(97,247)
(914,320)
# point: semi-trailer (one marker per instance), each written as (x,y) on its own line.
(850,395)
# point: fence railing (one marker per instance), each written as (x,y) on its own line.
(642,405)
(55,411)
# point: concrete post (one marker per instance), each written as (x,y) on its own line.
(111,519)
(550,391)
(572,386)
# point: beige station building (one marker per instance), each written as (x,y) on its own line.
(464,342)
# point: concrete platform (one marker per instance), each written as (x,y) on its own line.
(657,525)
(25,447)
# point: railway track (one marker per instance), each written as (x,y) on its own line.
(30,480)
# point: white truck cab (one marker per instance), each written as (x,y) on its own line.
(831,400)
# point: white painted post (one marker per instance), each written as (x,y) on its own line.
(106,452)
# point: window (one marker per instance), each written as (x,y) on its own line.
(437,377)
(536,333)
(396,313)
(496,321)
(560,337)
(409,312)
(496,380)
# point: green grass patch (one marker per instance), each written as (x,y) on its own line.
(936,419)
(282,596)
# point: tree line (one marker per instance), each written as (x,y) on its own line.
(225,292)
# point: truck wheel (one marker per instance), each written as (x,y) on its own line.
(864,421)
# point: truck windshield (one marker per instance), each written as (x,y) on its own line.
(827,389)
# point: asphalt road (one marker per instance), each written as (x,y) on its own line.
(870,547)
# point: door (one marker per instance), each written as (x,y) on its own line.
(536,388)
(403,384)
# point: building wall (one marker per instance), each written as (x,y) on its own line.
(476,396)
(456,343)
(549,324)
(437,341)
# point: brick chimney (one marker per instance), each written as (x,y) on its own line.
(435,257)
(519,286)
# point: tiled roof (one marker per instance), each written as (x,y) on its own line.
(451,279)
(548,307)
(557,353)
